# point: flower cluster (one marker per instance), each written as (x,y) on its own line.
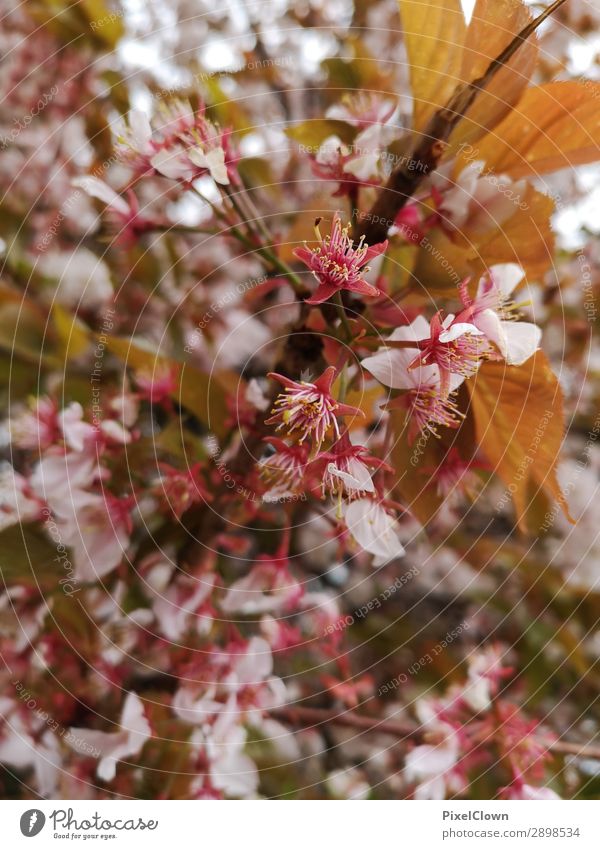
(253,465)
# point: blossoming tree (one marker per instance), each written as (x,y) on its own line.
(289,353)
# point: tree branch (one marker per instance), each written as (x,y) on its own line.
(313,717)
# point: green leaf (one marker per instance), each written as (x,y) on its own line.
(312,134)
(28,557)
(200,393)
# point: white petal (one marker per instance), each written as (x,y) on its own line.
(391,367)
(506,277)
(414,332)
(522,340)
(133,718)
(97,189)
(361,482)
(215,161)
(172,164)
(490,324)
(373,529)
(140,128)
(457,330)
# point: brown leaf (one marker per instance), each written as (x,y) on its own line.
(519,426)
(434,33)
(553,126)
(493,25)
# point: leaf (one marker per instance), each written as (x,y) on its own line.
(28,557)
(493,26)
(23,329)
(311,134)
(519,426)
(553,126)
(200,393)
(414,465)
(357,69)
(525,238)
(73,335)
(434,33)
(93,19)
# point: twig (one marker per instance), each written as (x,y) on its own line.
(313,717)
(307,716)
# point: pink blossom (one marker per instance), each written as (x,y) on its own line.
(182,146)
(269,587)
(182,489)
(363,109)
(18,502)
(309,408)
(181,607)
(77,433)
(520,790)
(435,767)
(59,478)
(230,770)
(36,428)
(116,746)
(485,674)
(353,166)
(455,476)
(124,216)
(97,531)
(426,404)
(432,766)
(491,312)
(284,470)
(475,200)
(456,347)
(338,265)
(24,744)
(158,384)
(347,470)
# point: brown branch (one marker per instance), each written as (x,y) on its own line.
(313,717)
(403,182)
(307,716)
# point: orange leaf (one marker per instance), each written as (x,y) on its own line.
(414,465)
(525,238)
(519,426)
(493,26)
(553,126)
(434,32)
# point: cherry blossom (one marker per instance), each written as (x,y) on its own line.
(425,402)
(374,529)
(37,427)
(268,587)
(119,745)
(476,200)
(345,470)
(284,470)
(182,145)
(309,408)
(125,217)
(490,312)
(456,347)
(338,265)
